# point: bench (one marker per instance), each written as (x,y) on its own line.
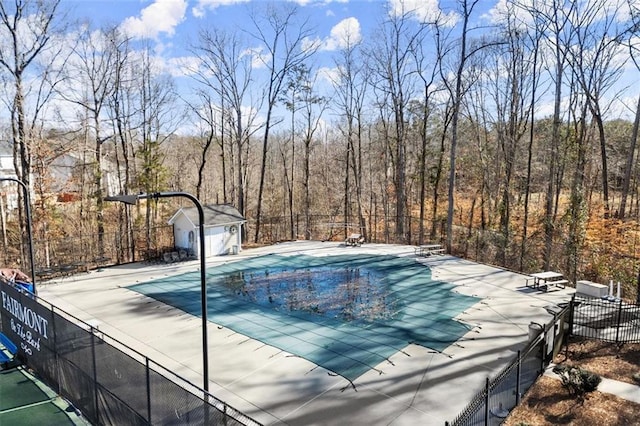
(559,283)
(546,287)
(8,352)
(429,250)
(354,240)
(544,280)
(530,282)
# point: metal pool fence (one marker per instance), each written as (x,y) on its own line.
(110,383)
(609,320)
(502,393)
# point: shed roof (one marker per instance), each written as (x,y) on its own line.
(214,215)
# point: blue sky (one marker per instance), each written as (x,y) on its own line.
(175,21)
(169,19)
(173,24)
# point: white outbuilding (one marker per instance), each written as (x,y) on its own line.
(222,229)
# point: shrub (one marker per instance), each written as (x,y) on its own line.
(577,381)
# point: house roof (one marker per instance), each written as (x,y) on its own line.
(214,215)
(6,149)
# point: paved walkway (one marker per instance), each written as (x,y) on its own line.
(417,385)
(623,390)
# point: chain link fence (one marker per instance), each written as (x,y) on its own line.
(110,383)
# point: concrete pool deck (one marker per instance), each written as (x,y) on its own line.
(418,385)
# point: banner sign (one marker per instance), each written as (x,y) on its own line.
(26,322)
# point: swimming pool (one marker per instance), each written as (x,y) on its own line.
(347,293)
(346,313)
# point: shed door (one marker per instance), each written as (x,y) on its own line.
(214,238)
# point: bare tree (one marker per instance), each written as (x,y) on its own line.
(158,119)
(90,84)
(394,67)
(456,92)
(511,87)
(628,169)
(122,107)
(28,30)
(594,64)
(558,35)
(595,60)
(534,35)
(211,120)
(634,53)
(312,109)
(351,85)
(290,97)
(427,67)
(225,70)
(282,49)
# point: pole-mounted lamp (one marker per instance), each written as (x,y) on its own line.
(27,209)
(133,199)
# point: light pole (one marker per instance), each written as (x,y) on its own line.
(133,199)
(27,209)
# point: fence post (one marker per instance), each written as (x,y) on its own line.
(556,327)
(486,403)
(146,362)
(572,308)
(58,369)
(619,321)
(95,373)
(518,372)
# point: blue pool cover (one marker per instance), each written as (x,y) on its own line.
(291,302)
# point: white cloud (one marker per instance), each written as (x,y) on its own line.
(259,58)
(521,12)
(199,9)
(161,16)
(422,10)
(317,2)
(329,75)
(182,66)
(344,34)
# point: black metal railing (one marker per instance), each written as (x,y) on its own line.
(608,320)
(503,392)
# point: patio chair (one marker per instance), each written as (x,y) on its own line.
(183,254)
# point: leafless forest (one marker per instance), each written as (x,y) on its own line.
(512,143)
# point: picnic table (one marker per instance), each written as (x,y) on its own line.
(428,250)
(354,240)
(542,280)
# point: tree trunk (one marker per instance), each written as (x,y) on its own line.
(629,165)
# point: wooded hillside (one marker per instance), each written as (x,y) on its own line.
(510,138)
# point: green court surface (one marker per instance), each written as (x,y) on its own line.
(41,414)
(344,313)
(17,390)
(24,402)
